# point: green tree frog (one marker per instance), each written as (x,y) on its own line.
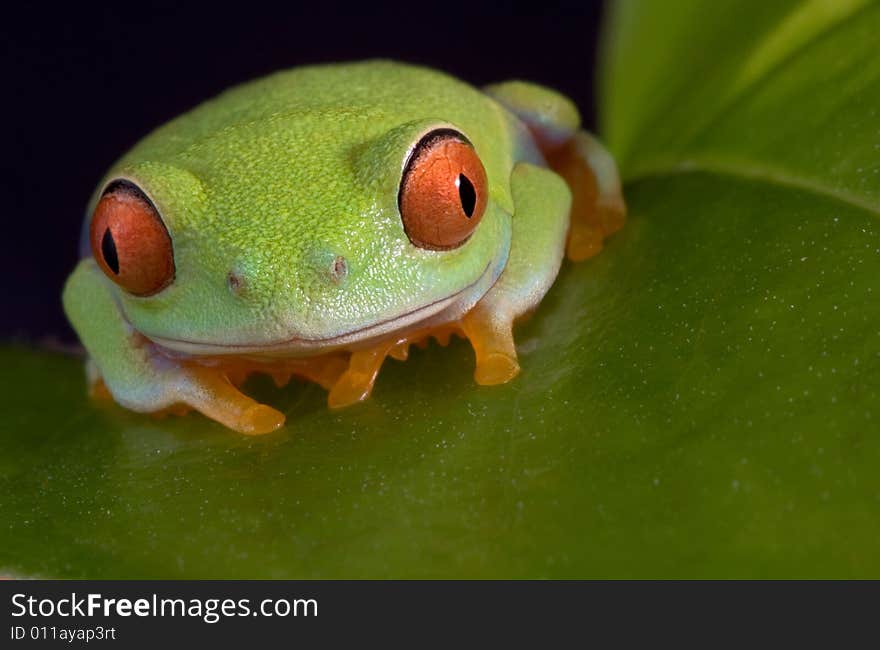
(318,220)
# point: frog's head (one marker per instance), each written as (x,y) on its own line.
(312,208)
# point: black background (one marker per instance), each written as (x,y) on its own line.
(82,84)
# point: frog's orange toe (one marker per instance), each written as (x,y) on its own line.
(260,419)
(496,368)
(352,388)
(356,383)
(591,224)
(612,213)
(583,243)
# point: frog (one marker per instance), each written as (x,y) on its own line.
(321,219)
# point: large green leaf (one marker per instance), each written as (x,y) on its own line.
(700,400)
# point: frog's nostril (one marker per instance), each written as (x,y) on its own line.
(236,283)
(338,269)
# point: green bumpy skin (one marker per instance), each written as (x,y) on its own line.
(265,187)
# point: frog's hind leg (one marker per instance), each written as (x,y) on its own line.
(598,209)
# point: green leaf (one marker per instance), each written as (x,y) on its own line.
(700,400)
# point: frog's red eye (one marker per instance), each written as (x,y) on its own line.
(443,191)
(130,242)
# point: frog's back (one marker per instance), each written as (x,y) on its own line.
(379,88)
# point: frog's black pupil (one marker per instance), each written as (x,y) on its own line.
(467,194)
(108,250)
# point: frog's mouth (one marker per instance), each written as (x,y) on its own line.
(445,310)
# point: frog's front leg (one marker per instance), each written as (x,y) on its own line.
(142,379)
(540,222)
(598,209)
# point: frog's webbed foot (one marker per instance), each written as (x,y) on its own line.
(211,389)
(323,370)
(597,209)
(356,383)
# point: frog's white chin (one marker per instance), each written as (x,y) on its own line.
(445,310)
